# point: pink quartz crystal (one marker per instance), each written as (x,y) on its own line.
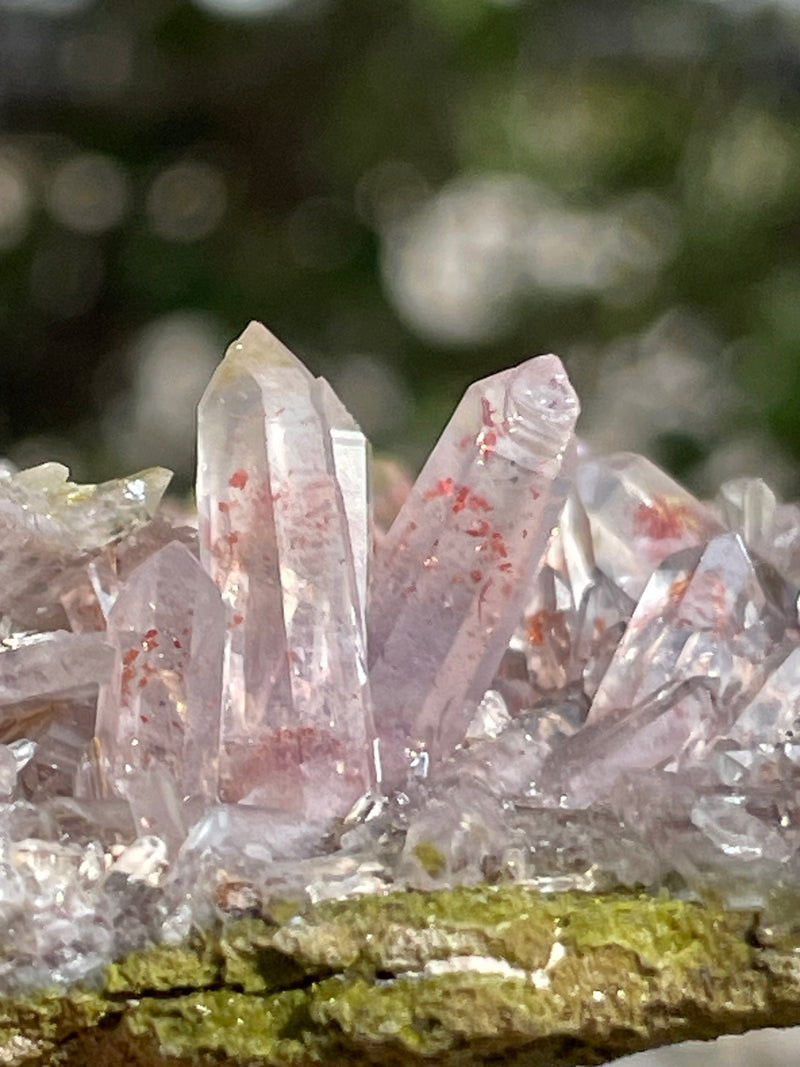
(161,707)
(276,451)
(639,516)
(451,576)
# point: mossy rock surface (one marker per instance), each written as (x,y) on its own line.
(501,975)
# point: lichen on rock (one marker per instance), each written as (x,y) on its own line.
(467,976)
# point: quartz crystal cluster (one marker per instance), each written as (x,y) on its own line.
(554,667)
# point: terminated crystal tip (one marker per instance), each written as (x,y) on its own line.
(451,576)
(276,535)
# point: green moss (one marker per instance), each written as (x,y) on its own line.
(227,1024)
(252,963)
(432,859)
(52,1013)
(162,967)
(569,978)
(660,931)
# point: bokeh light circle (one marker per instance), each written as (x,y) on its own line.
(187,201)
(89,193)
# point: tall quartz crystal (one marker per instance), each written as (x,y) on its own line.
(451,577)
(277,537)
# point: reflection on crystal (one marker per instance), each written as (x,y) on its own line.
(583,676)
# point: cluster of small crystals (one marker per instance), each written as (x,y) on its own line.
(552,667)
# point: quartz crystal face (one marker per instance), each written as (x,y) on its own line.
(581,675)
(161,706)
(283,515)
(451,575)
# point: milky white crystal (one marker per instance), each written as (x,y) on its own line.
(275,455)
(451,576)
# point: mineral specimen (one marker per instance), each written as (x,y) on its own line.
(582,678)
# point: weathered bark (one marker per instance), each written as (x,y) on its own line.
(460,977)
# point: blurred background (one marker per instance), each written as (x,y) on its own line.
(411,194)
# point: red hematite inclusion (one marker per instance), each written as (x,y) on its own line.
(665,518)
(283,533)
(444,594)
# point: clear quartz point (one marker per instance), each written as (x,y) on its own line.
(769,528)
(276,454)
(452,574)
(708,612)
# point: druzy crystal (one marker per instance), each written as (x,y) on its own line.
(555,667)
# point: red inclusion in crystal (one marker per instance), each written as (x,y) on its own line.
(479,528)
(483,594)
(664,519)
(478,503)
(238,480)
(678,588)
(498,544)
(461,499)
(444,487)
(149,640)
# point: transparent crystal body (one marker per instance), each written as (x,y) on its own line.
(450,576)
(277,538)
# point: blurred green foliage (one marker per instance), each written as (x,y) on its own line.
(443,186)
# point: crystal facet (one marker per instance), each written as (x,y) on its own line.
(451,575)
(162,705)
(277,537)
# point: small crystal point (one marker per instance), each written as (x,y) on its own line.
(277,538)
(161,707)
(50,525)
(706,612)
(451,576)
(638,516)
